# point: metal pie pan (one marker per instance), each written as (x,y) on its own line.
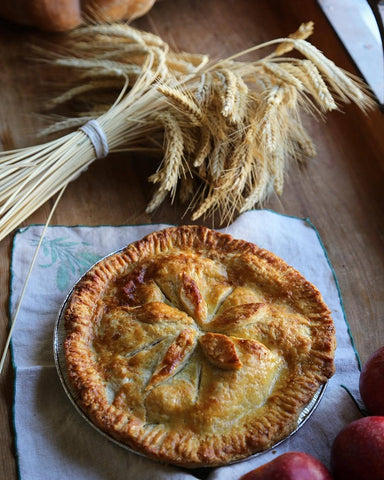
(61,367)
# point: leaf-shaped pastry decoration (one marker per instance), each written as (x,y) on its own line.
(220,350)
(252,348)
(238,316)
(175,357)
(155,312)
(239,296)
(192,299)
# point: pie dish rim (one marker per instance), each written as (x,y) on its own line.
(59,335)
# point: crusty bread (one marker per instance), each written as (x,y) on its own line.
(62,15)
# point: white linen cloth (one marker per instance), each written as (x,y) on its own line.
(54,442)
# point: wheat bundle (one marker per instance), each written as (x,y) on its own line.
(228,129)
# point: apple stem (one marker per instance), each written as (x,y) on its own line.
(363,411)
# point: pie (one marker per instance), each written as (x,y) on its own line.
(195,348)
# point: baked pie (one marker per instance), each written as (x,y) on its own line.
(195,348)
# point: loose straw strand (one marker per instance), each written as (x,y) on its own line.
(13,323)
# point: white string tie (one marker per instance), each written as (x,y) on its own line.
(97,137)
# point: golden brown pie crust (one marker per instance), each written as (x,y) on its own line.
(195,348)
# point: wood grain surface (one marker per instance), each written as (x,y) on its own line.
(340,191)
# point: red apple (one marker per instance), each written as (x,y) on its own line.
(290,466)
(371,383)
(358,450)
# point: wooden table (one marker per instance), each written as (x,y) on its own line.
(341,191)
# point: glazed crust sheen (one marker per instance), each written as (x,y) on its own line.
(195,348)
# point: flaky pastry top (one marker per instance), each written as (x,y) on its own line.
(195,348)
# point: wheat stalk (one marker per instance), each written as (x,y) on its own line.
(172,166)
(231,126)
(183,102)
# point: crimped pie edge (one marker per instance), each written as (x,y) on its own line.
(170,446)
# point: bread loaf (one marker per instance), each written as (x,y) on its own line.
(62,15)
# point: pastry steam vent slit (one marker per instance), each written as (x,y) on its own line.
(175,357)
(202,344)
(199,375)
(221,302)
(166,300)
(148,346)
